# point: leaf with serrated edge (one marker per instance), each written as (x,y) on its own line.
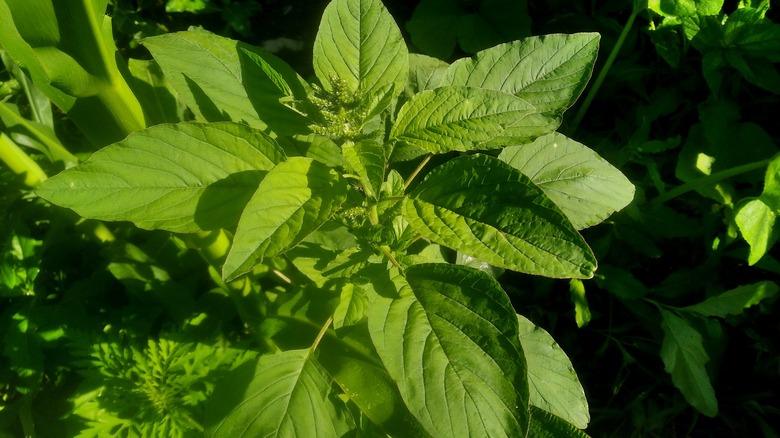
(360,43)
(293,200)
(157,177)
(684,358)
(548,71)
(552,382)
(284,394)
(463,119)
(581,183)
(367,159)
(448,337)
(481,206)
(735,301)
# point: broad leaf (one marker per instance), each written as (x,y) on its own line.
(735,301)
(352,306)
(425,73)
(284,394)
(367,159)
(548,71)
(463,119)
(756,222)
(359,42)
(684,358)
(547,425)
(448,337)
(230,80)
(293,200)
(552,382)
(183,178)
(483,207)
(581,183)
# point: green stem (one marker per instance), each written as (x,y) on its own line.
(19,162)
(416,171)
(709,180)
(594,89)
(56,152)
(320,335)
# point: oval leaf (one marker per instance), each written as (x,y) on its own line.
(552,382)
(293,200)
(581,183)
(284,394)
(360,43)
(448,337)
(481,206)
(463,119)
(548,71)
(169,177)
(756,222)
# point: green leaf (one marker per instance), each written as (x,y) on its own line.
(284,394)
(367,159)
(447,335)
(582,313)
(223,79)
(293,200)
(547,425)
(360,43)
(756,222)
(182,178)
(352,306)
(548,71)
(684,358)
(463,119)
(582,184)
(771,193)
(479,205)
(151,89)
(552,382)
(425,73)
(735,301)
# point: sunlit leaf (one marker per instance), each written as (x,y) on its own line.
(756,222)
(735,301)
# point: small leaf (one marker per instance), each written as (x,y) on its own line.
(684,358)
(581,308)
(284,394)
(463,119)
(367,159)
(552,381)
(771,193)
(548,71)
(581,183)
(182,178)
(756,222)
(352,306)
(293,200)
(360,43)
(447,335)
(547,425)
(425,73)
(479,205)
(735,301)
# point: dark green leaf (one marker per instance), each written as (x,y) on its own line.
(547,425)
(735,301)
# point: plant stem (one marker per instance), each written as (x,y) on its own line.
(19,162)
(709,180)
(594,89)
(390,257)
(320,335)
(416,171)
(56,152)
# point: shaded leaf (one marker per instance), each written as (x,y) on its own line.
(735,301)
(352,306)
(367,159)
(581,183)
(547,425)
(479,205)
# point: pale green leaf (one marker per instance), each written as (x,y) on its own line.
(582,313)
(183,178)
(286,394)
(157,98)
(547,425)
(581,183)
(481,206)
(352,306)
(684,358)
(293,200)
(552,381)
(360,43)
(367,159)
(425,73)
(223,79)
(735,301)
(771,193)
(548,71)
(447,335)
(756,222)
(462,119)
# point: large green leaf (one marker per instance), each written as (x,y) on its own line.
(448,337)
(547,425)
(581,183)
(286,394)
(183,178)
(552,381)
(548,71)
(684,358)
(481,206)
(462,119)
(293,200)
(359,42)
(735,301)
(223,79)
